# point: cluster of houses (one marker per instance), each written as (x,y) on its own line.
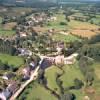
(12,87)
(60,59)
(24,52)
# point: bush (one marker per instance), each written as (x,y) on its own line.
(78,83)
(63,23)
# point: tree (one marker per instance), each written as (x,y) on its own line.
(78,83)
(63,23)
(68,96)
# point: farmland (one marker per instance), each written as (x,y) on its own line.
(83,29)
(65,38)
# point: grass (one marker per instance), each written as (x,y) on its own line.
(7,32)
(71,72)
(95,20)
(0,20)
(12,60)
(37,92)
(65,38)
(78,93)
(96,84)
(56,24)
(50,74)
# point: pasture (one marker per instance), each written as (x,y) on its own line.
(12,60)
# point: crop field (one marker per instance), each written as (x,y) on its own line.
(83,29)
(82,25)
(65,38)
(7,29)
(83,33)
(9,26)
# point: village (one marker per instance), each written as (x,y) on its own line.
(49,41)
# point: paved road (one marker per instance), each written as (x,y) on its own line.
(33,77)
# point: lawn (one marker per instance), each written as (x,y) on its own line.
(50,74)
(37,92)
(12,60)
(65,38)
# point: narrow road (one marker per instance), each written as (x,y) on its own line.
(33,77)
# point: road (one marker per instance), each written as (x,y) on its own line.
(33,77)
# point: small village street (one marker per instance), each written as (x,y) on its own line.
(33,77)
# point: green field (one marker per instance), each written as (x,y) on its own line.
(56,24)
(73,24)
(7,32)
(65,38)
(71,72)
(37,92)
(12,60)
(78,93)
(0,20)
(50,74)
(96,85)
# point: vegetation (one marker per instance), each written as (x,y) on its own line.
(65,38)
(35,91)
(12,60)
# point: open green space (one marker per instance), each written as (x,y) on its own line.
(7,32)
(81,25)
(36,92)
(56,23)
(12,60)
(50,74)
(71,72)
(96,84)
(0,20)
(65,38)
(78,93)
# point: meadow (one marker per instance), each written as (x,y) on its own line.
(12,60)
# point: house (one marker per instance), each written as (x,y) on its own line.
(8,76)
(70,59)
(13,87)
(45,63)
(24,51)
(32,65)
(26,72)
(23,34)
(5,94)
(59,59)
